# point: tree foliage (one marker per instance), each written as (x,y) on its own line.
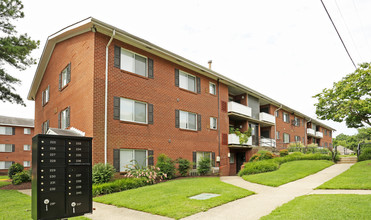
(352,141)
(14,49)
(349,99)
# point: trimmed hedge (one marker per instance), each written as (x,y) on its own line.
(21,177)
(365,154)
(119,185)
(262,155)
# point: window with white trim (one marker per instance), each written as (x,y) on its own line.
(6,148)
(200,155)
(45,127)
(64,118)
(5,164)
(297,121)
(212,88)
(286,117)
(277,135)
(27,130)
(134,111)
(131,157)
(64,79)
(286,138)
(213,123)
(133,62)
(277,114)
(45,96)
(187,81)
(187,120)
(6,130)
(297,139)
(26,163)
(26,147)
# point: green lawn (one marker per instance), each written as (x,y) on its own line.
(324,207)
(17,206)
(4,177)
(289,172)
(357,177)
(172,198)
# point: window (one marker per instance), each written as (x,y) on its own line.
(286,138)
(131,110)
(330,133)
(64,77)
(133,62)
(302,140)
(277,135)
(297,139)
(45,127)
(231,158)
(130,157)
(297,121)
(286,117)
(187,81)
(6,130)
(5,164)
(212,88)
(27,130)
(277,114)
(64,118)
(325,131)
(325,144)
(45,96)
(213,123)
(6,148)
(26,147)
(201,155)
(26,163)
(188,120)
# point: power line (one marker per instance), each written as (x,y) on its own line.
(338,34)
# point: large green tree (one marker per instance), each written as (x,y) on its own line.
(349,100)
(14,49)
(352,141)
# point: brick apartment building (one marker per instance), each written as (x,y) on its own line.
(157,102)
(15,142)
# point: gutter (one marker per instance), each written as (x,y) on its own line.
(275,124)
(105,99)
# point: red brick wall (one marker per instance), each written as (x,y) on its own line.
(19,139)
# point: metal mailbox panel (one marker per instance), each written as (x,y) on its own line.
(52,141)
(51,205)
(77,204)
(78,149)
(78,160)
(77,143)
(52,182)
(52,154)
(78,155)
(52,162)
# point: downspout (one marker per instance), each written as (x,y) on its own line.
(219,124)
(275,124)
(105,100)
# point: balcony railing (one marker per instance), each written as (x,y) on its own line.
(311,132)
(267,117)
(234,107)
(235,140)
(267,142)
(319,134)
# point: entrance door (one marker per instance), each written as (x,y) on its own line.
(240,159)
(254,134)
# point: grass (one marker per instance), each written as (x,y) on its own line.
(324,207)
(289,172)
(171,198)
(17,206)
(4,177)
(357,177)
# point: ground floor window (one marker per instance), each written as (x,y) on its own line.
(197,156)
(286,138)
(231,158)
(5,164)
(26,163)
(130,157)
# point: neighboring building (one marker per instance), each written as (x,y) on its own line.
(15,142)
(344,151)
(158,102)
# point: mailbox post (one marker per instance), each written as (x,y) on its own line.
(61,176)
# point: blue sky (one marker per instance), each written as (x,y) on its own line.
(287,50)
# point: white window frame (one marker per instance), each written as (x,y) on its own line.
(46,95)
(285,136)
(64,77)
(3,165)
(277,135)
(122,168)
(133,111)
(213,121)
(187,120)
(26,163)
(212,88)
(45,126)
(203,153)
(286,117)
(133,70)
(26,147)
(297,139)
(297,121)
(5,146)
(5,130)
(187,85)
(277,114)
(26,130)
(63,118)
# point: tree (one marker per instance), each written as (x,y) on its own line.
(14,50)
(348,100)
(352,141)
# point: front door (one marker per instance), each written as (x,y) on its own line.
(240,159)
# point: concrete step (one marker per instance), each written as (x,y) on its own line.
(348,160)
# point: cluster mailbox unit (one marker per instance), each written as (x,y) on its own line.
(61,176)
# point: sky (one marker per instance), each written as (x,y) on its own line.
(287,50)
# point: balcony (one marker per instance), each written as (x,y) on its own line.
(319,134)
(311,132)
(265,117)
(267,142)
(233,139)
(239,110)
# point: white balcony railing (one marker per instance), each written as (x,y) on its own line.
(235,140)
(319,134)
(267,142)
(267,117)
(311,132)
(234,107)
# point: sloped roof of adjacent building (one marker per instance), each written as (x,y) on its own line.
(92,24)
(18,122)
(65,132)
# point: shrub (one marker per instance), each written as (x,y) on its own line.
(21,177)
(102,173)
(183,166)
(119,185)
(14,169)
(166,165)
(284,152)
(365,154)
(204,166)
(262,155)
(259,167)
(151,174)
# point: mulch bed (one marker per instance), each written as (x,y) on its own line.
(17,187)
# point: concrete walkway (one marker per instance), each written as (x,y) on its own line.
(252,207)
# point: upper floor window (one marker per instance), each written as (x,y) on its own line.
(277,114)
(297,121)
(45,96)
(187,81)
(286,117)
(65,76)
(330,133)
(6,147)
(26,147)
(277,135)
(325,131)
(212,88)
(27,131)
(213,123)
(6,130)
(188,120)
(64,118)
(131,110)
(45,127)
(5,164)
(133,62)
